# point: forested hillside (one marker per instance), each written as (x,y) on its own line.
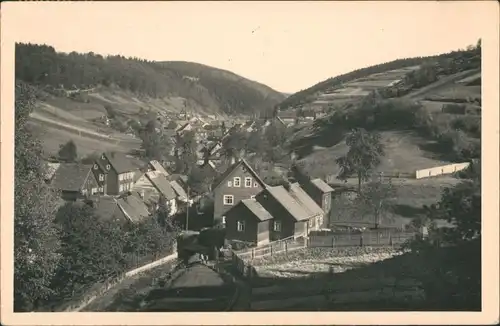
(211,88)
(446,63)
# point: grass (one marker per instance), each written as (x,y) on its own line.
(52,138)
(404,154)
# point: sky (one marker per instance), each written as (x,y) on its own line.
(288,46)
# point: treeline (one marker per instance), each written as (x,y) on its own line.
(61,251)
(43,66)
(446,63)
(457,136)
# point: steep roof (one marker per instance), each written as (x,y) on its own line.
(321,185)
(282,196)
(107,209)
(257,209)
(134,208)
(179,190)
(161,184)
(71,176)
(307,202)
(230,169)
(50,170)
(158,167)
(120,162)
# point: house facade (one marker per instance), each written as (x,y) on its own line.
(75,181)
(248,221)
(290,219)
(120,172)
(237,183)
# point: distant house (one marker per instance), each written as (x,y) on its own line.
(119,171)
(237,183)
(184,127)
(122,211)
(288,118)
(319,191)
(290,218)
(248,221)
(156,166)
(75,181)
(316,212)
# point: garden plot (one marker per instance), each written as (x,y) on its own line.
(311,267)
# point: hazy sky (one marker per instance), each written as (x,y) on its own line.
(286,45)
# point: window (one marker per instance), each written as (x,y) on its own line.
(252,197)
(101,177)
(237,182)
(94,191)
(241,226)
(311,223)
(277,226)
(101,189)
(121,188)
(229,183)
(255,184)
(223,220)
(103,157)
(96,166)
(108,167)
(248,182)
(228,199)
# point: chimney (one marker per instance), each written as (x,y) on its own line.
(141,193)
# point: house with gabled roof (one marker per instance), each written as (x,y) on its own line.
(133,208)
(317,213)
(318,190)
(50,171)
(290,218)
(118,172)
(151,186)
(74,180)
(237,183)
(154,165)
(248,221)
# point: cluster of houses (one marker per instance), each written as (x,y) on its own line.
(126,190)
(120,187)
(254,212)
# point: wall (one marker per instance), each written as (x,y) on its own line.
(440,170)
(240,213)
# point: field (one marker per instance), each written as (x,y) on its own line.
(405,153)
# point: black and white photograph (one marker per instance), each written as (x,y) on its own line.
(232,157)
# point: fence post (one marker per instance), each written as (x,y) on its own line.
(286,247)
(253,253)
(271,247)
(390,239)
(333,241)
(361,240)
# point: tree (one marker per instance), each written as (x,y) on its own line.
(185,151)
(110,111)
(83,263)
(375,202)
(35,235)
(365,151)
(68,152)
(156,146)
(201,179)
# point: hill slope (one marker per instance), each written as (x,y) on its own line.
(199,87)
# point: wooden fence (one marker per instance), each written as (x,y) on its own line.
(369,239)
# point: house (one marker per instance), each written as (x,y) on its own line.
(154,165)
(317,214)
(75,181)
(119,172)
(122,211)
(164,188)
(248,221)
(237,183)
(319,191)
(288,118)
(290,218)
(153,184)
(185,126)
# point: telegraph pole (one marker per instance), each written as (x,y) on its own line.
(187,209)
